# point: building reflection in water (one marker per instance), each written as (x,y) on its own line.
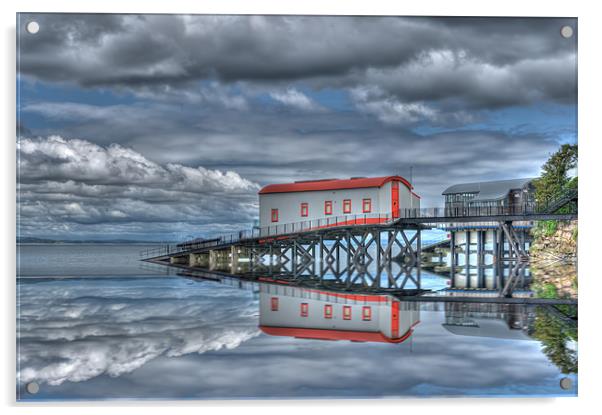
(323,313)
(501,321)
(329,315)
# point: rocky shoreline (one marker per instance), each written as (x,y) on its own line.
(554,259)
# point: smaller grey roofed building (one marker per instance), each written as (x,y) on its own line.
(517,194)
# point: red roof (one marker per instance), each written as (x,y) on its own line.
(325,334)
(333,184)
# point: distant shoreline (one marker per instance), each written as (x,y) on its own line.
(40,241)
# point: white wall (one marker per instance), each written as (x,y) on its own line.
(289,204)
(289,307)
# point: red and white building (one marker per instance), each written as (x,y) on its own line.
(329,315)
(376,199)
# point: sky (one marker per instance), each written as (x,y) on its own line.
(164,127)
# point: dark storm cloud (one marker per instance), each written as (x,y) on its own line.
(192,97)
(465,62)
(278,146)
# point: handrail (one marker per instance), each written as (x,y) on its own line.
(559,201)
(278,230)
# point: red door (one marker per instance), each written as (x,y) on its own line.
(395,199)
(395,319)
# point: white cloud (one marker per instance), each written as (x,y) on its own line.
(57,158)
(69,334)
(75,181)
(294,98)
(390,110)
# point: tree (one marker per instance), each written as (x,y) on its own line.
(554,178)
(556,338)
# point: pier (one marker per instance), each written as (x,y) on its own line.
(377,252)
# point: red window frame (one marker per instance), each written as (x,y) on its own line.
(274,215)
(304,309)
(274,303)
(328,311)
(366,313)
(367,205)
(328,207)
(304,209)
(346,312)
(347,206)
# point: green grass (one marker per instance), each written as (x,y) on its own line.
(547,290)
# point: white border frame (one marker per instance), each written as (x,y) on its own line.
(589,140)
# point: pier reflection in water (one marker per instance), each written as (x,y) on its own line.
(214,335)
(362,316)
(479,261)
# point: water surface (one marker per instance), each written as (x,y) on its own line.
(122,331)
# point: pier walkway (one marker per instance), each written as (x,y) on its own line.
(352,245)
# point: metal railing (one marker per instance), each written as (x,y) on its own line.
(272,231)
(468,210)
(280,230)
(561,200)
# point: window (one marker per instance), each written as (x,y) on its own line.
(328,311)
(274,303)
(304,209)
(304,309)
(328,207)
(347,206)
(274,215)
(346,312)
(366,313)
(367,205)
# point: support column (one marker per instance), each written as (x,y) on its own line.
(467,258)
(233,259)
(480,258)
(212,259)
(418,258)
(499,263)
(294,258)
(452,250)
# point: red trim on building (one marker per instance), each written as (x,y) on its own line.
(304,209)
(333,184)
(366,313)
(383,298)
(328,207)
(274,215)
(353,297)
(357,221)
(347,206)
(395,199)
(346,312)
(324,334)
(328,311)
(366,205)
(395,319)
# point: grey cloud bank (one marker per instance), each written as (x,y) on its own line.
(179,107)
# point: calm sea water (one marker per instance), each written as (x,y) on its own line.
(94,323)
